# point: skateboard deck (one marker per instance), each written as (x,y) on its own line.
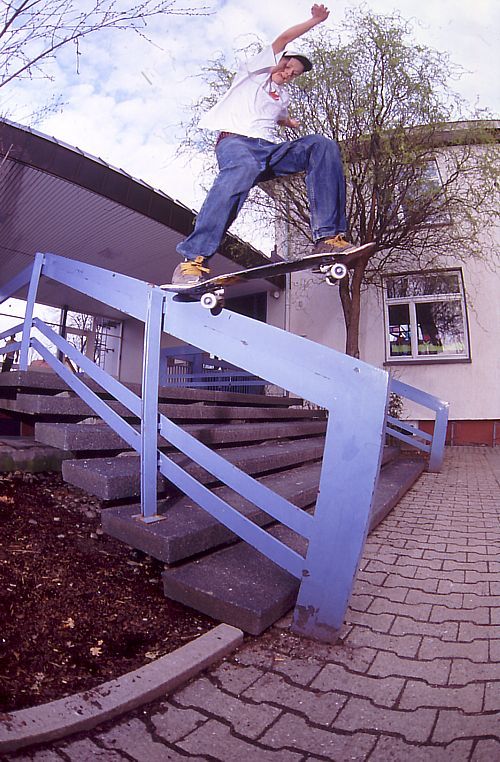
(334,267)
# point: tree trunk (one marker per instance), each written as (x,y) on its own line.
(350,297)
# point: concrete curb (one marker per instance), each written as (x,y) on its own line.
(83,711)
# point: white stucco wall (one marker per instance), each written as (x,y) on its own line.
(471,388)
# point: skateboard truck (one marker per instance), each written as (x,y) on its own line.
(333,273)
(212,300)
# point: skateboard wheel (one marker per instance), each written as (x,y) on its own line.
(338,271)
(209,301)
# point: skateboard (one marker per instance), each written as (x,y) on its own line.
(210,292)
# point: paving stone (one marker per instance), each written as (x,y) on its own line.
(435,672)
(458,556)
(420,612)
(383,691)
(479,566)
(473,601)
(494,650)
(360,602)
(457,576)
(405,569)
(361,715)
(390,749)
(87,751)
(255,654)
(433,648)
(295,733)
(319,708)
(133,738)
(480,615)
(235,678)
(474,558)
(245,718)
(418,694)
(374,578)
(406,645)
(486,751)
(172,723)
(478,588)
(492,697)
(376,622)
(405,626)
(216,741)
(475,575)
(464,671)
(424,565)
(390,594)
(297,670)
(452,724)
(453,600)
(398,580)
(469,632)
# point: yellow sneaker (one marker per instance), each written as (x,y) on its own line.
(190,272)
(336,245)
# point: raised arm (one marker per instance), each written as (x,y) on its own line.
(319,13)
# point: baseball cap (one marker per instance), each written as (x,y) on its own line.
(304,60)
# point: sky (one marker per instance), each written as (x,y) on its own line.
(127,99)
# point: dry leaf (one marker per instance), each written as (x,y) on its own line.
(69,622)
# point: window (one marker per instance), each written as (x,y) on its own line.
(425,317)
(425,199)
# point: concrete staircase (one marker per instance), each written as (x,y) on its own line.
(277,439)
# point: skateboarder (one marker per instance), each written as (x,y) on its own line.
(248,152)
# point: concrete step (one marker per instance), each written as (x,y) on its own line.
(83,437)
(50,383)
(188,530)
(59,407)
(119,478)
(240,586)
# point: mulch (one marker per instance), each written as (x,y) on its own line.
(77,608)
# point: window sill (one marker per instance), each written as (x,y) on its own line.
(427,361)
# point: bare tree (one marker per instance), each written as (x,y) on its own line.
(33,31)
(421,178)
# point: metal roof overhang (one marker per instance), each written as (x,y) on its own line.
(56,198)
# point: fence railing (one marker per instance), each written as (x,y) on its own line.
(354,393)
(432,444)
(189,366)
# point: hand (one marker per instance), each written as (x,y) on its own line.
(320,13)
(294,124)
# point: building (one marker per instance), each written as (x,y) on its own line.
(438,330)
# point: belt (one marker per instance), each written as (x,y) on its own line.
(223,135)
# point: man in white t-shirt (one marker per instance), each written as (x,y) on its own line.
(249,151)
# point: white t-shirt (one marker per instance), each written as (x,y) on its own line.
(248,108)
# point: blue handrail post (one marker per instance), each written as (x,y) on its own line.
(30,305)
(349,476)
(149,406)
(436,454)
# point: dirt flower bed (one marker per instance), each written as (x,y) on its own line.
(76,608)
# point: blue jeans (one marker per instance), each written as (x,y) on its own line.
(244,162)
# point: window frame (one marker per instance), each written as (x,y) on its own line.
(431,176)
(411,302)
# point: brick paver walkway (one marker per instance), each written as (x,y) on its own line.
(415,678)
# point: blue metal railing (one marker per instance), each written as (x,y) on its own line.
(191,367)
(432,444)
(354,394)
